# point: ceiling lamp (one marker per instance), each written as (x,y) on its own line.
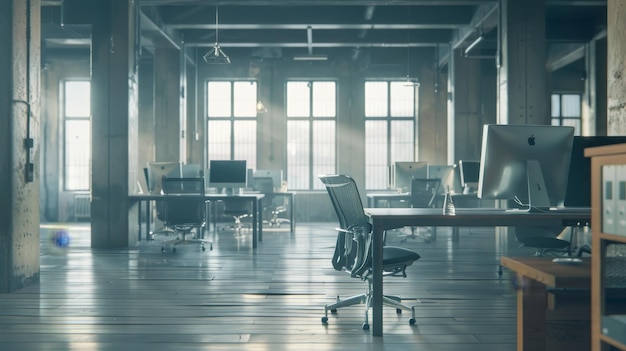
(216,55)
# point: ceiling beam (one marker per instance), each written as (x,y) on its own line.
(485,18)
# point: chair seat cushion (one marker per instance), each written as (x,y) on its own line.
(397,256)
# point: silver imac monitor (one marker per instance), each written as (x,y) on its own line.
(275,174)
(228,174)
(528,164)
(402,172)
(158,170)
(191,170)
(445,173)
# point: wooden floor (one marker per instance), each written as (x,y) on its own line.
(271,298)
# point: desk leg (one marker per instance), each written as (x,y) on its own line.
(255,222)
(531,315)
(377,280)
(292,216)
(148,220)
(139,220)
(259,216)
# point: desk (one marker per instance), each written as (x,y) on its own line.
(255,199)
(383,219)
(373,200)
(538,326)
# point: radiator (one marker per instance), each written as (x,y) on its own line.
(82,206)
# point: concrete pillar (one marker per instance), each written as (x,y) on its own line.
(432,124)
(167,119)
(594,96)
(19,143)
(522,93)
(616,76)
(114,122)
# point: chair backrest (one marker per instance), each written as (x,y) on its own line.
(264,185)
(424,191)
(184,201)
(350,250)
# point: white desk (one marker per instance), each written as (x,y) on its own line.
(383,219)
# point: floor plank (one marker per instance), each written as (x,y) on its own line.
(271,298)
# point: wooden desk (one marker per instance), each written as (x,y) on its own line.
(256,201)
(383,219)
(539,325)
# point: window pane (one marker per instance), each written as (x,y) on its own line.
(77,99)
(245,142)
(219,140)
(324,99)
(402,145)
(402,99)
(572,122)
(556,105)
(218,102)
(571,105)
(298,152)
(245,99)
(77,154)
(376,99)
(298,99)
(376,169)
(323,150)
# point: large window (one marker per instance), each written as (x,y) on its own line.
(566,111)
(77,135)
(390,113)
(311,116)
(232,121)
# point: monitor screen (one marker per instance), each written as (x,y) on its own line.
(525,163)
(158,170)
(229,174)
(578,192)
(275,174)
(404,171)
(469,172)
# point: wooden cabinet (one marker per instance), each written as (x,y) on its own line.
(608,258)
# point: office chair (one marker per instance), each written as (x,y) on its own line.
(424,192)
(185,210)
(545,241)
(353,250)
(238,209)
(265,185)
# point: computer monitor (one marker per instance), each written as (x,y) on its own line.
(227,174)
(275,174)
(191,170)
(263,185)
(525,163)
(578,192)
(157,170)
(469,172)
(403,172)
(443,173)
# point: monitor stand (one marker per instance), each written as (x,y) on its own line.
(229,191)
(538,200)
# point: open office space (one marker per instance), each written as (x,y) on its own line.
(404,106)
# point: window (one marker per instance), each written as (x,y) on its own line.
(77,139)
(311,115)
(566,111)
(232,121)
(390,113)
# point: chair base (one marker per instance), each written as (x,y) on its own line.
(184,241)
(388,300)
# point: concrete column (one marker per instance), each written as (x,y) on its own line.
(616,76)
(522,93)
(19,143)
(432,124)
(167,119)
(114,122)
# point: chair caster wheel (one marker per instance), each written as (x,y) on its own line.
(412,321)
(324,320)
(203,249)
(163,249)
(174,250)
(366,326)
(398,311)
(333,311)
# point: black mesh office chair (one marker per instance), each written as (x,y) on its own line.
(424,192)
(545,241)
(272,205)
(185,211)
(353,248)
(237,209)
